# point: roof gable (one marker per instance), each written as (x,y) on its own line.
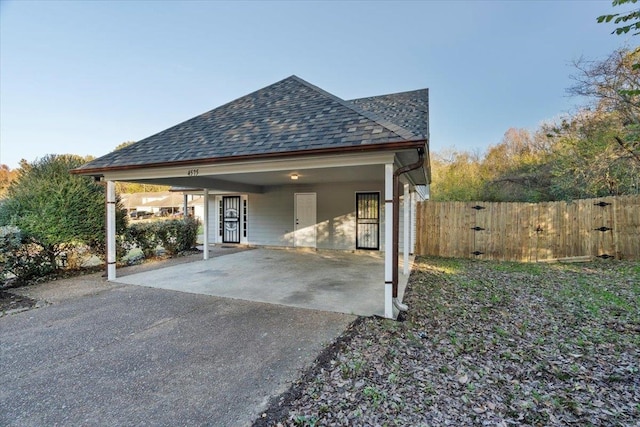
(288,116)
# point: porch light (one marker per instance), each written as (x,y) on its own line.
(294,176)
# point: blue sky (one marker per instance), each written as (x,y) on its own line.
(81,77)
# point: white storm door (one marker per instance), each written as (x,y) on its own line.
(305,220)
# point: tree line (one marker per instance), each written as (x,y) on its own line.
(592,153)
(8,175)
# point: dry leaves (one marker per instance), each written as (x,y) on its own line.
(486,343)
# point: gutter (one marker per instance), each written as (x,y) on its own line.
(365,148)
(396,223)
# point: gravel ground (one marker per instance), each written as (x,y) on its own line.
(485,343)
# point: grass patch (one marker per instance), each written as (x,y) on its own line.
(489,343)
(447,265)
(516,267)
(375,395)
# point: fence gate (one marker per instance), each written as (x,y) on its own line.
(480,224)
(602,227)
(231,219)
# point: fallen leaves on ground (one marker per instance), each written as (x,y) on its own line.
(485,343)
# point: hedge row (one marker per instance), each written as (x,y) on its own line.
(175,236)
(23,259)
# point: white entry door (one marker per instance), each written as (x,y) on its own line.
(305,220)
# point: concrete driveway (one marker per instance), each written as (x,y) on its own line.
(337,281)
(113,354)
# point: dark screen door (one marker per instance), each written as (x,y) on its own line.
(231,219)
(367,220)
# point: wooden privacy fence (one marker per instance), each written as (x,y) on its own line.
(607,227)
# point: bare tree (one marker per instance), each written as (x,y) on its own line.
(613,86)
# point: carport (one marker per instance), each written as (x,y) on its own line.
(294,166)
(336,281)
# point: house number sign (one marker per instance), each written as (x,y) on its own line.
(193,172)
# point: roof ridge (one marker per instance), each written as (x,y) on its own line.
(288,117)
(426,89)
(367,98)
(398,130)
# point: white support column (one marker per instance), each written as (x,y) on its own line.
(111,230)
(205,240)
(185,205)
(407,226)
(388,240)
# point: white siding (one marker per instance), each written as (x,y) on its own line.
(271,218)
(272,214)
(213,220)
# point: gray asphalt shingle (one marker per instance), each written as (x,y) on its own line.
(409,110)
(287,116)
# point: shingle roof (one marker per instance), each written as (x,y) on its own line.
(409,110)
(288,116)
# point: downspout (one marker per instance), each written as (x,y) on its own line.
(396,223)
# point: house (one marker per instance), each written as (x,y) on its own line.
(292,165)
(162,203)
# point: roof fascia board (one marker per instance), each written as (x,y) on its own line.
(290,155)
(251,166)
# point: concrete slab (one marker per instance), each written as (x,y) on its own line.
(114,355)
(335,281)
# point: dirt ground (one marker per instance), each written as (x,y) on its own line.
(13,303)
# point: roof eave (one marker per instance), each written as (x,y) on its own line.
(393,146)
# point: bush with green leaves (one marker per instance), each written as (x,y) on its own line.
(174,236)
(20,257)
(177,235)
(144,236)
(57,210)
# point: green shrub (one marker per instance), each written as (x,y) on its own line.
(189,236)
(176,235)
(57,210)
(20,257)
(143,235)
